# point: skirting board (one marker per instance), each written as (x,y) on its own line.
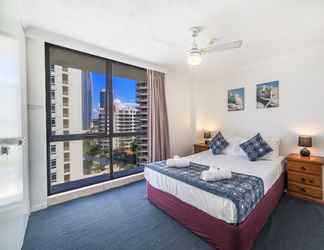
(93,189)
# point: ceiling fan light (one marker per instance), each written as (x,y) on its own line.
(194,59)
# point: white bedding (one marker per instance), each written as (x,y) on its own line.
(216,206)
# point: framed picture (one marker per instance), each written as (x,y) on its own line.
(235,99)
(267,95)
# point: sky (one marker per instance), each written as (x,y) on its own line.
(124,89)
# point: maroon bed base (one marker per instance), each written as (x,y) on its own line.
(219,234)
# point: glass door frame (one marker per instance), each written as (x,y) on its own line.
(109,133)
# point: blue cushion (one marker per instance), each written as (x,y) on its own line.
(256,147)
(218,143)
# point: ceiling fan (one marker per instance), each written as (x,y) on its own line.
(195,53)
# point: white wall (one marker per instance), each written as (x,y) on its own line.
(300,73)
(13,219)
(178,94)
(180,113)
(37,123)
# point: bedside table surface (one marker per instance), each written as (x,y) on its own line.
(311,159)
(199,147)
(201,144)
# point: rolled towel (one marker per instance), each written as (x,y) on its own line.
(215,174)
(178,163)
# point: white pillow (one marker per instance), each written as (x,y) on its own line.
(274,143)
(234,145)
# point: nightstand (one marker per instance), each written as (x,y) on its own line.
(199,147)
(305,177)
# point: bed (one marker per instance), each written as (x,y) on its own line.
(213,217)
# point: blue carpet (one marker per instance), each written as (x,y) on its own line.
(124,219)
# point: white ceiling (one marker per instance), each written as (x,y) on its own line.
(157,30)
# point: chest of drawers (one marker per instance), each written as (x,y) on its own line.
(305,177)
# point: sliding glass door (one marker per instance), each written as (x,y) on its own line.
(96,119)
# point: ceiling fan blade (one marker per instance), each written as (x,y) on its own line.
(223,46)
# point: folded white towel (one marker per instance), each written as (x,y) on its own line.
(177,162)
(215,174)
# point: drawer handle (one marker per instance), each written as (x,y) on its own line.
(303,168)
(303,179)
(302,190)
(310,181)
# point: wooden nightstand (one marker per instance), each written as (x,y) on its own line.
(305,177)
(199,147)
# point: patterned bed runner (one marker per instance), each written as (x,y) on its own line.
(245,191)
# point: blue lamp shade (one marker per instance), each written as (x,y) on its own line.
(305,141)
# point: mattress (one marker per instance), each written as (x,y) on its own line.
(218,207)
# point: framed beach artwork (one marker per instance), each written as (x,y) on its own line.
(267,95)
(235,99)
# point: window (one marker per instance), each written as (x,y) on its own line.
(53,149)
(66,123)
(53,122)
(99,126)
(53,163)
(66,157)
(66,178)
(66,145)
(65,90)
(130,118)
(53,94)
(53,177)
(53,108)
(65,101)
(66,167)
(65,112)
(65,78)
(52,79)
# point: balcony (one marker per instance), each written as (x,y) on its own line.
(65,112)
(65,90)
(65,101)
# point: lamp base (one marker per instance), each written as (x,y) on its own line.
(305,152)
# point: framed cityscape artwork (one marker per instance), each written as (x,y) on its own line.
(267,95)
(235,99)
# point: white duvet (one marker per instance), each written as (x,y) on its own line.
(216,206)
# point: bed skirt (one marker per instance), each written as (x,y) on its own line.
(218,233)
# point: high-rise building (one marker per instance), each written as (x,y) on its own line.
(142,122)
(87,85)
(103,121)
(102,98)
(66,113)
(124,122)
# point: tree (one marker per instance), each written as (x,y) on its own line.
(134,146)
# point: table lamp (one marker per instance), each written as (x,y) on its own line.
(305,141)
(207,136)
